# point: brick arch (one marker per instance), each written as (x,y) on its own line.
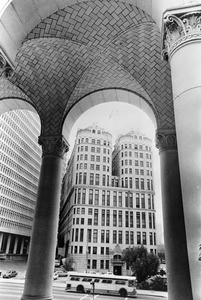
(105,96)
(90,46)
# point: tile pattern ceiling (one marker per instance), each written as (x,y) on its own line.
(90,46)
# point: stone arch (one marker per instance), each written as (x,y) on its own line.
(104,96)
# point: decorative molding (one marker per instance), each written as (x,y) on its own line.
(166,139)
(180,27)
(5,68)
(53,145)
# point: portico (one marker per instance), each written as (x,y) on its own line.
(60,58)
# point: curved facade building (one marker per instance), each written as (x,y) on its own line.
(107,200)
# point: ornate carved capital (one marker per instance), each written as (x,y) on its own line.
(166,139)
(180,27)
(53,145)
(5,69)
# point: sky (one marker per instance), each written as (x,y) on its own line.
(120,118)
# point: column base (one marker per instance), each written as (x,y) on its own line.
(36,297)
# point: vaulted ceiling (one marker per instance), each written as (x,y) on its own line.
(86,47)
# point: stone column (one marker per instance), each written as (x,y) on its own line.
(8,244)
(39,276)
(182,47)
(1,239)
(15,245)
(179,285)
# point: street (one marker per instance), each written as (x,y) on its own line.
(10,290)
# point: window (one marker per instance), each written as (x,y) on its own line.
(108,198)
(102,236)
(150,221)
(95,236)
(81,235)
(137,200)
(142,200)
(126,219)
(120,199)
(102,250)
(92,149)
(138,238)
(107,236)
(143,220)
(144,238)
(114,198)
(97,179)
(103,198)
(142,183)
(137,183)
(94,263)
(138,219)
(131,238)
(91,166)
(120,237)
(90,196)
(131,219)
(94,250)
(91,179)
(114,218)
(95,216)
(103,218)
(120,218)
(96,202)
(114,237)
(127,237)
(108,218)
(102,264)
(84,178)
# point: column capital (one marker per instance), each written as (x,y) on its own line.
(180,27)
(5,68)
(53,145)
(166,139)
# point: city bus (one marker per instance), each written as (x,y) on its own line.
(101,283)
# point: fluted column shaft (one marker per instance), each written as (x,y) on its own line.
(182,47)
(179,286)
(39,275)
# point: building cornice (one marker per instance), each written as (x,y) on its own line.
(180,27)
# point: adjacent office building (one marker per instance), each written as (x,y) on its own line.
(107,202)
(20,162)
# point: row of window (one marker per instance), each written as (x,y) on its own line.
(14,215)
(105,180)
(135,154)
(137,163)
(93,149)
(113,236)
(16,186)
(96,158)
(94,141)
(114,198)
(19,207)
(8,194)
(93,167)
(15,225)
(132,219)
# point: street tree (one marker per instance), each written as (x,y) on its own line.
(142,263)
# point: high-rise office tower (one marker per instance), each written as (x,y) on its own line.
(20,160)
(107,200)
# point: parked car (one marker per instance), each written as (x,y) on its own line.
(55,276)
(62,273)
(10,274)
(57,263)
